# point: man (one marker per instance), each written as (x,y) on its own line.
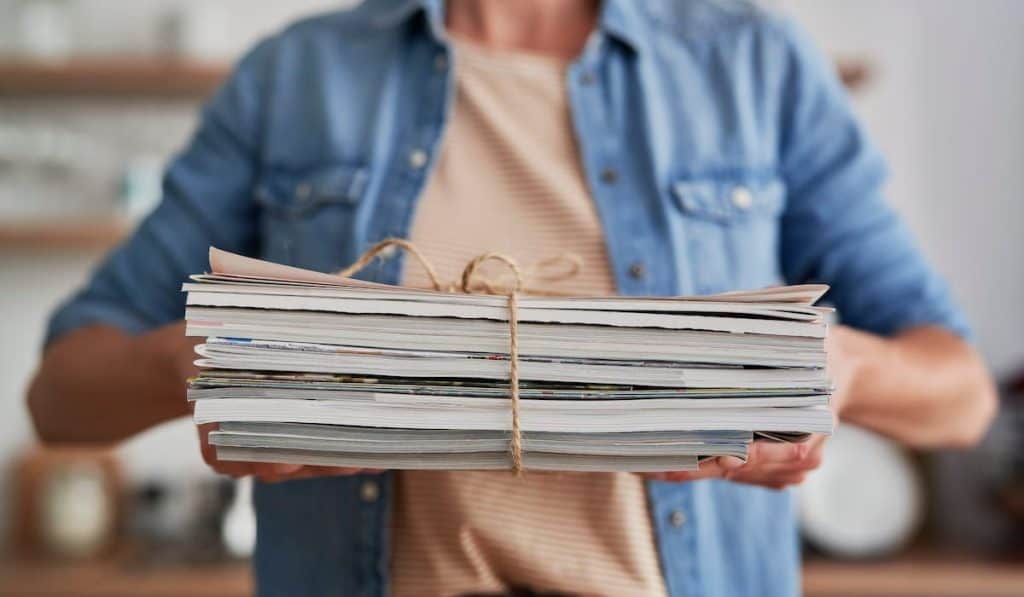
(680,147)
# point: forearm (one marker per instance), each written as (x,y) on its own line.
(100,384)
(925,387)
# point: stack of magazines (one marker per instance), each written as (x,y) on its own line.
(310,368)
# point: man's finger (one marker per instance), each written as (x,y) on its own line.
(232,469)
(307,472)
(334,471)
(769,464)
(711,468)
(761,452)
(275,468)
(774,468)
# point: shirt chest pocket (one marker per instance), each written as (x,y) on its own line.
(726,232)
(307,217)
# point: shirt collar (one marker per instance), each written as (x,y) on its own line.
(622,20)
(619,19)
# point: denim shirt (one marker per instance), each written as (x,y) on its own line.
(721,154)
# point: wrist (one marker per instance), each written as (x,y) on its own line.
(849,353)
(169,355)
(850,357)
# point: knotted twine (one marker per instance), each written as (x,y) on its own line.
(472,282)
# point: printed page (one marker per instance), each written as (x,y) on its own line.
(230,267)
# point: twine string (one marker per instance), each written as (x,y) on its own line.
(388,244)
(471,282)
(516,443)
(546,271)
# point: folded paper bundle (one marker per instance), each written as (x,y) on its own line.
(313,368)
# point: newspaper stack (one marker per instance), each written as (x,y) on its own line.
(310,368)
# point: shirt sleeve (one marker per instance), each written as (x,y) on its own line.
(837,227)
(206,201)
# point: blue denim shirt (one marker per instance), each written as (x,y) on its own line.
(720,151)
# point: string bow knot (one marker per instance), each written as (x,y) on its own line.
(472,282)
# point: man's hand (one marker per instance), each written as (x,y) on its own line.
(924,387)
(769,464)
(177,352)
(777,465)
(265,471)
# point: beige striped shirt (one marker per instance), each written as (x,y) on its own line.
(509,179)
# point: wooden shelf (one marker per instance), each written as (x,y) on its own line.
(146,77)
(914,575)
(95,234)
(168,77)
(121,579)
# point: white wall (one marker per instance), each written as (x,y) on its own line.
(948,109)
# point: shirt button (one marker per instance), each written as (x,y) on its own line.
(677,518)
(741,197)
(369,491)
(417,158)
(637,270)
(440,62)
(303,191)
(609,176)
(587,78)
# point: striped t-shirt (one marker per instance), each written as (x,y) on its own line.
(509,179)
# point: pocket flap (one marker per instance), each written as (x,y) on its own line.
(729,200)
(298,192)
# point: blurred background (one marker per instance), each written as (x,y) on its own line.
(96,95)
